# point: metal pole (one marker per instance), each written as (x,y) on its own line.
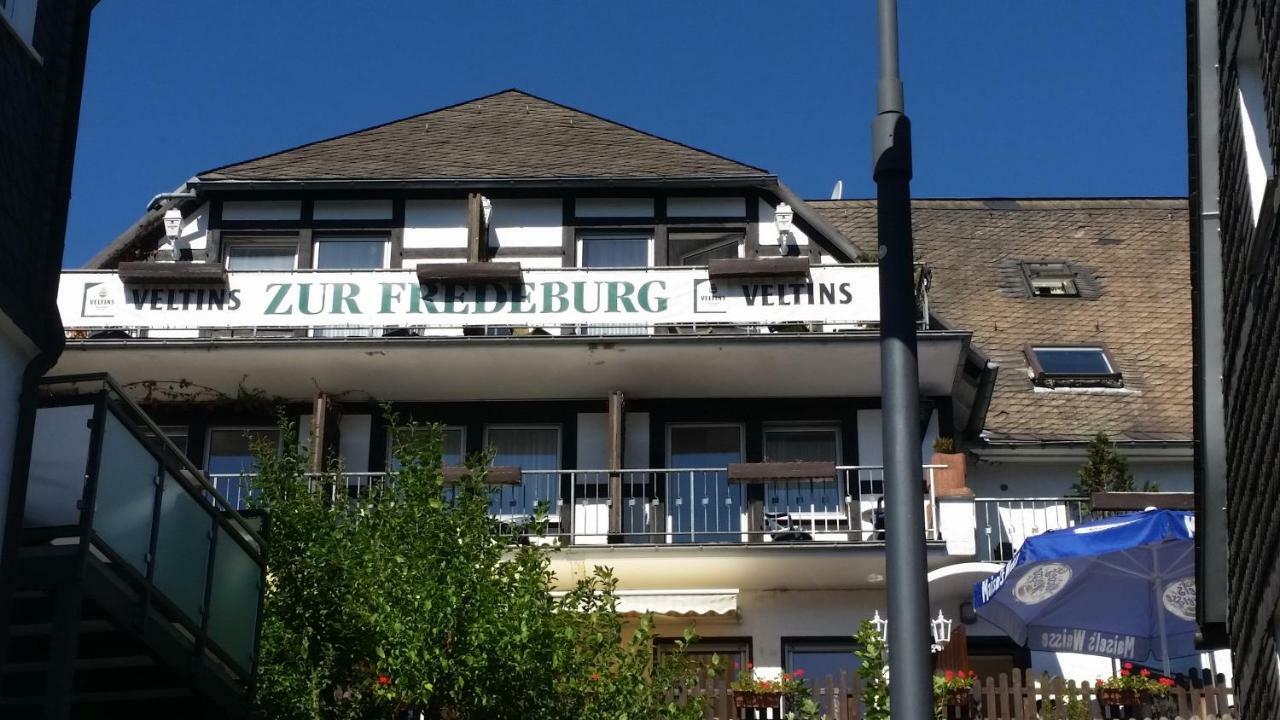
(910,671)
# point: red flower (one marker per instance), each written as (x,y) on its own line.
(1144,672)
(799,673)
(748,666)
(1099,683)
(1124,673)
(786,677)
(973,674)
(384,679)
(1167,682)
(1128,666)
(595,677)
(950,676)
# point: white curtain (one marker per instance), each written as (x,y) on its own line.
(1020,523)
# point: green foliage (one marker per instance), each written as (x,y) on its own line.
(410,598)
(874,672)
(1106,470)
(944,445)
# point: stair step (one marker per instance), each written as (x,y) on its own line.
(42,628)
(102,663)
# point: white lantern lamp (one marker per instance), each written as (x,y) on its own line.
(941,627)
(782,217)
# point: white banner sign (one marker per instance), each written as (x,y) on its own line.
(393,298)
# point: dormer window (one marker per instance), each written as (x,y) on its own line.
(1054,366)
(1050,279)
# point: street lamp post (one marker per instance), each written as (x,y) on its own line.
(911,685)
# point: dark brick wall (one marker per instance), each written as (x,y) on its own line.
(1251,353)
(39,115)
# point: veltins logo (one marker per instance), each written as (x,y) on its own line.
(97,301)
(707,297)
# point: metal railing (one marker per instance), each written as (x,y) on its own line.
(675,505)
(1004,523)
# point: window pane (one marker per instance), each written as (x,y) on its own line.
(260,257)
(691,248)
(615,252)
(350,253)
(800,444)
(819,660)
(1073,361)
(705,446)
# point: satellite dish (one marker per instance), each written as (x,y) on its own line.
(837,192)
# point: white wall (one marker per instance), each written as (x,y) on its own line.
(435,224)
(16,350)
(527,223)
(1054,478)
(262,210)
(351,210)
(871,438)
(707,207)
(613,207)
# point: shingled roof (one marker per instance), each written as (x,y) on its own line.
(509,135)
(1135,252)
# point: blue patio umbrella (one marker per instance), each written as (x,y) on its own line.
(1123,587)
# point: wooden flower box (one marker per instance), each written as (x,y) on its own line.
(746,699)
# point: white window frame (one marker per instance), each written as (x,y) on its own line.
(317,239)
(802,426)
(263,242)
(742,438)
(20,17)
(615,235)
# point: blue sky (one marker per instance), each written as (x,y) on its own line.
(1081,98)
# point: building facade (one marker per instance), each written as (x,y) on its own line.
(1234,57)
(667,349)
(42,55)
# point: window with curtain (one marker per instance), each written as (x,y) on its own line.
(258,255)
(697,248)
(361,252)
(792,444)
(530,448)
(614,251)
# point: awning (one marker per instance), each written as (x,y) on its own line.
(677,603)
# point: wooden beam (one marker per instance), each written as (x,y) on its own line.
(477,229)
(770,471)
(499,475)
(142,272)
(319,422)
(469,272)
(758,268)
(1142,500)
(617,444)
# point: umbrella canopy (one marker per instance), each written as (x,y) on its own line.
(1123,587)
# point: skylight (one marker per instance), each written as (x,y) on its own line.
(1050,279)
(1072,366)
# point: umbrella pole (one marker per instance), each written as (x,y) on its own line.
(1164,634)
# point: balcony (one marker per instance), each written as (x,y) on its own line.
(670,506)
(599,329)
(136,582)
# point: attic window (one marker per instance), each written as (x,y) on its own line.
(1050,279)
(1054,366)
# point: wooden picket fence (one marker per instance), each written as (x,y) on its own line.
(1020,696)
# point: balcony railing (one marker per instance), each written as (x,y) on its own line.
(1004,523)
(104,479)
(672,505)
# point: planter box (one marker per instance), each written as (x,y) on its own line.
(744,699)
(1122,697)
(952,477)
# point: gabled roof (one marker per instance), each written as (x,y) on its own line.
(1138,254)
(509,135)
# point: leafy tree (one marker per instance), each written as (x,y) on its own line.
(1106,470)
(410,599)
